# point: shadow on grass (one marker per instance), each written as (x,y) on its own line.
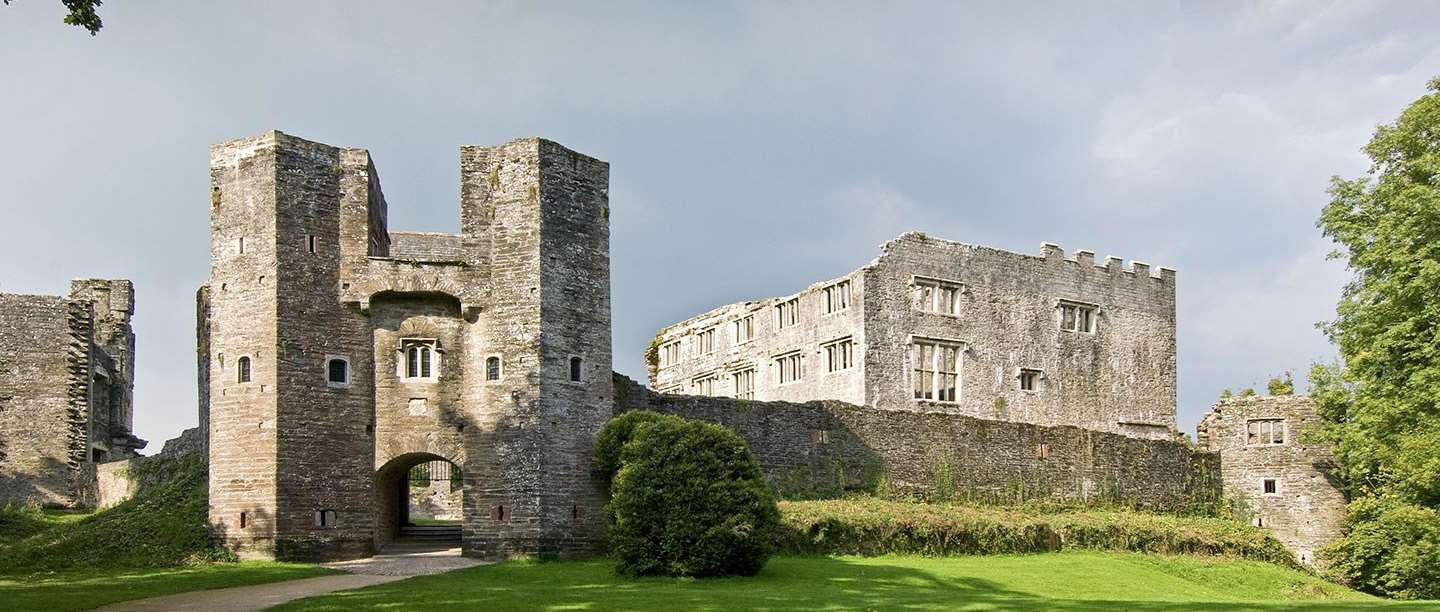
(786,584)
(90,588)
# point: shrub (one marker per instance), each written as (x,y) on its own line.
(1391,548)
(612,438)
(689,500)
(869,526)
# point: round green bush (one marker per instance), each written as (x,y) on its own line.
(614,435)
(689,500)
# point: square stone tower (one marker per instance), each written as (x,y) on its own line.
(317,320)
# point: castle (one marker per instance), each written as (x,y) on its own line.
(335,355)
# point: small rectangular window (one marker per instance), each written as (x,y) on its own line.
(1270,486)
(705,341)
(745,329)
(1029,379)
(839,354)
(242,245)
(669,354)
(837,297)
(934,295)
(310,242)
(324,518)
(744,383)
(787,313)
(790,367)
(1076,317)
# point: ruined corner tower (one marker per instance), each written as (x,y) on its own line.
(310,324)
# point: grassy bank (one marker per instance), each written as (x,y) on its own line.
(84,589)
(869,526)
(1073,581)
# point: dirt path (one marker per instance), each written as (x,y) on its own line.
(361,573)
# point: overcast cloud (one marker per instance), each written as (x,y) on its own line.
(754,147)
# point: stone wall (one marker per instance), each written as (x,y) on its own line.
(824,446)
(1272,438)
(1118,376)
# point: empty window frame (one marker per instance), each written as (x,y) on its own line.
(1077,317)
(669,353)
(310,242)
(744,383)
(790,367)
(419,359)
(787,313)
(934,366)
(704,385)
(837,297)
(1029,379)
(1270,486)
(242,370)
(575,369)
(492,367)
(337,371)
(705,341)
(839,354)
(745,329)
(1264,432)
(935,295)
(325,518)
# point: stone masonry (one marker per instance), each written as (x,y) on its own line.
(338,354)
(1270,461)
(1047,340)
(67,372)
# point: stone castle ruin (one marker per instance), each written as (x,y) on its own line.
(67,372)
(338,359)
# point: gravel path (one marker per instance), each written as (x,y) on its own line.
(361,573)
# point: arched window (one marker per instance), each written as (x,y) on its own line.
(242,367)
(420,359)
(492,368)
(337,371)
(575,369)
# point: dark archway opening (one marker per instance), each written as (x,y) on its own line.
(420,503)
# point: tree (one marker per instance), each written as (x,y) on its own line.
(1382,402)
(82,13)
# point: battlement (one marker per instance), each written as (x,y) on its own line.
(1050,252)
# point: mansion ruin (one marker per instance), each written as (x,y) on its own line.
(938,326)
(356,382)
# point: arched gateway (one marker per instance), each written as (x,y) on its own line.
(371,352)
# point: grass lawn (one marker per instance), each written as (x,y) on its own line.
(16,525)
(86,589)
(1059,581)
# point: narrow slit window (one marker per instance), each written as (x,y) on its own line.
(242,367)
(310,242)
(575,364)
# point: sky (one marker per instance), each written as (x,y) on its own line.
(755,148)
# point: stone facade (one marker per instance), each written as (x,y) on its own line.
(824,447)
(1044,340)
(67,372)
(338,354)
(1270,460)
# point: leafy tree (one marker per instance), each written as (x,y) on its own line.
(1281,385)
(82,13)
(1382,402)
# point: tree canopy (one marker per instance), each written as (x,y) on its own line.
(82,13)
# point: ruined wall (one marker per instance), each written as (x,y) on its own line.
(814,328)
(44,399)
(1305,507)
(817,446)
(1117,377)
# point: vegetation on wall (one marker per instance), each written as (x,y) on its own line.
(1382,402)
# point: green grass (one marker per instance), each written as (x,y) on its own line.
(17,523)
(86,589)
(1070,581)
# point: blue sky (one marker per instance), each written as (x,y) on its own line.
(754,147)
